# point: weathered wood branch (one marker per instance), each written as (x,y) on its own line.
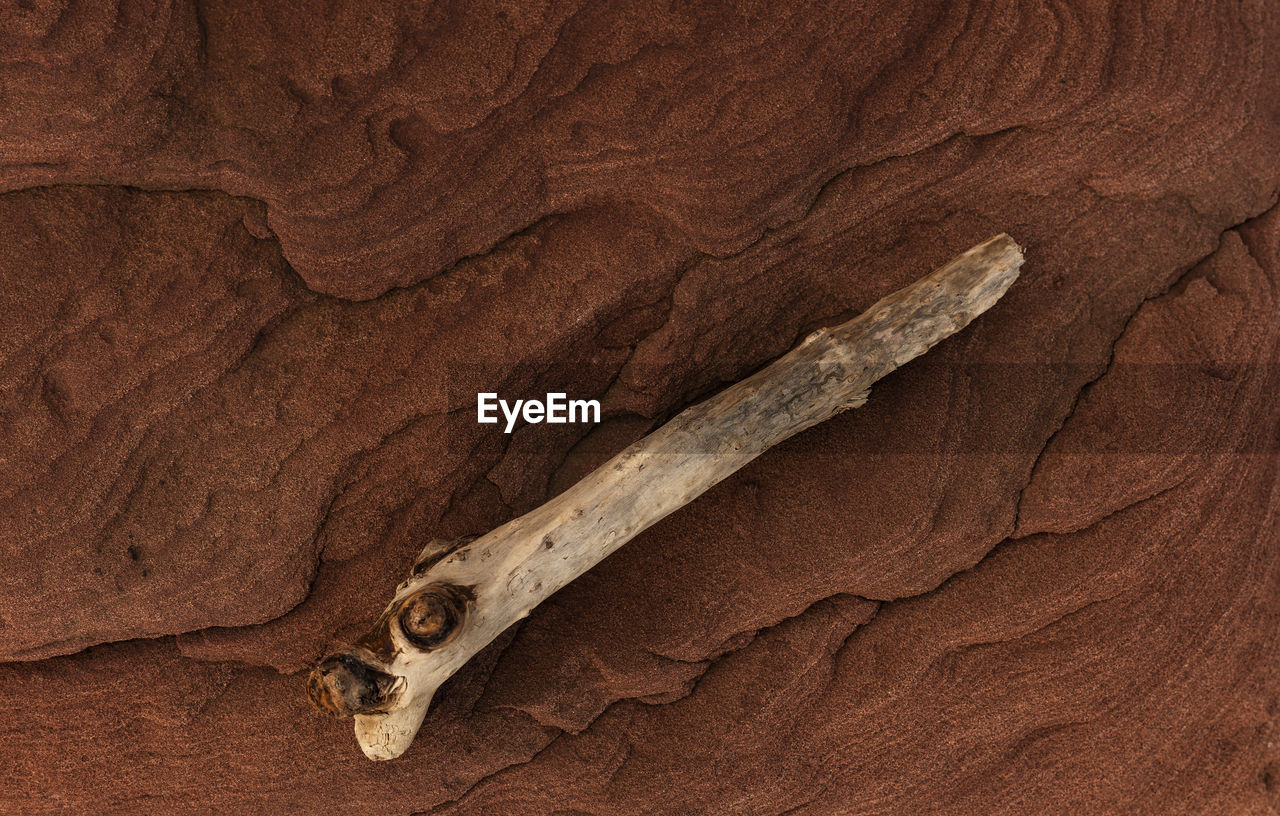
(461,595)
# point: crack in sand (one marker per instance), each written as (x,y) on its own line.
(1085,387)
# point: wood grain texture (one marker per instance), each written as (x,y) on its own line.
(260,257)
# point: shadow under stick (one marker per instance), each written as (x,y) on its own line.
(462,594)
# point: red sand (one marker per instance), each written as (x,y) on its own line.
(259,258)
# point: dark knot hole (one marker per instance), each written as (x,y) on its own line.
(433,616)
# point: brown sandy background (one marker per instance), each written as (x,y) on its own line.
(256,259)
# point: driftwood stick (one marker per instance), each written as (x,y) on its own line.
(462,594)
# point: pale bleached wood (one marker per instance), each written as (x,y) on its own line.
(463,594)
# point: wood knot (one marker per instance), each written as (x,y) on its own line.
(433,616)
(345,685)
